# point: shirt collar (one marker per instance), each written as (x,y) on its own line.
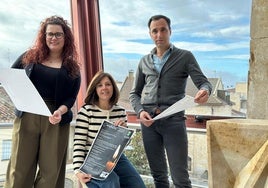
(153,51)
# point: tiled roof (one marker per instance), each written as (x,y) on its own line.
(213,99)
(6,107)
(124,92)
(190,90)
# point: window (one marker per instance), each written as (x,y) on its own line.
(189,163)
(6,149)
(218,37)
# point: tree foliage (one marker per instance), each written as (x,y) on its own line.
(137,154)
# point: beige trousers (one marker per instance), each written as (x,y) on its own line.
(39,150)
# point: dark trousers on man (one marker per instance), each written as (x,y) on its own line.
(167,137)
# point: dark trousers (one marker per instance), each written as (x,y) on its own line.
(167,137)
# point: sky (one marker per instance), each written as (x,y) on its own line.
(216,32)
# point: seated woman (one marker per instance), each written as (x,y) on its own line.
(101,104)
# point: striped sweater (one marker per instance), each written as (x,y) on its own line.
(88,121)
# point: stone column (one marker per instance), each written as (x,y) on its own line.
(238,148)
(257,104)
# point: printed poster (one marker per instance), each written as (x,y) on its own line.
(106,149)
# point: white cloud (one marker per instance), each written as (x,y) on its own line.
(230,32)
(19,22)
(200,26)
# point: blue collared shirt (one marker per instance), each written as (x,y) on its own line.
(159,62)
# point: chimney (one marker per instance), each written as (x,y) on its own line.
(131,74)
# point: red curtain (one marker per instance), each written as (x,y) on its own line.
(87,33)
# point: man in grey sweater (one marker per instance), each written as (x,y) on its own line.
(160,81)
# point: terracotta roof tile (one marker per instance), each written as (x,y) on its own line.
(6,107)
(190,90)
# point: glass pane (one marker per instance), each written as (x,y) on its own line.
(6,149)
(215,31)
(20,20)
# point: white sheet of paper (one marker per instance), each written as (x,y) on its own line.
(183,104)
(22,92)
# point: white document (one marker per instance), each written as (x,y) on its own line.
(22,92)
(183,104)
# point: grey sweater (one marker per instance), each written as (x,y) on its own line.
(152,89)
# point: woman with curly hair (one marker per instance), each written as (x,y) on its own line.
(39,143)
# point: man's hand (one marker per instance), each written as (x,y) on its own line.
(146,119)
(201,97)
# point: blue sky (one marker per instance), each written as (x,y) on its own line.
(217,32)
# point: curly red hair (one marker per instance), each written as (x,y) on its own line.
(39,52)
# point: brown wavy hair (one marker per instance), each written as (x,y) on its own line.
(39,52)
(92,96)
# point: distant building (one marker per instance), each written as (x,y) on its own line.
(6,107)
(238,96)
(219,105)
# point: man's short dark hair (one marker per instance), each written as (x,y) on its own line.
(157,17)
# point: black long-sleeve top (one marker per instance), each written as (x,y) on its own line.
(66,89)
